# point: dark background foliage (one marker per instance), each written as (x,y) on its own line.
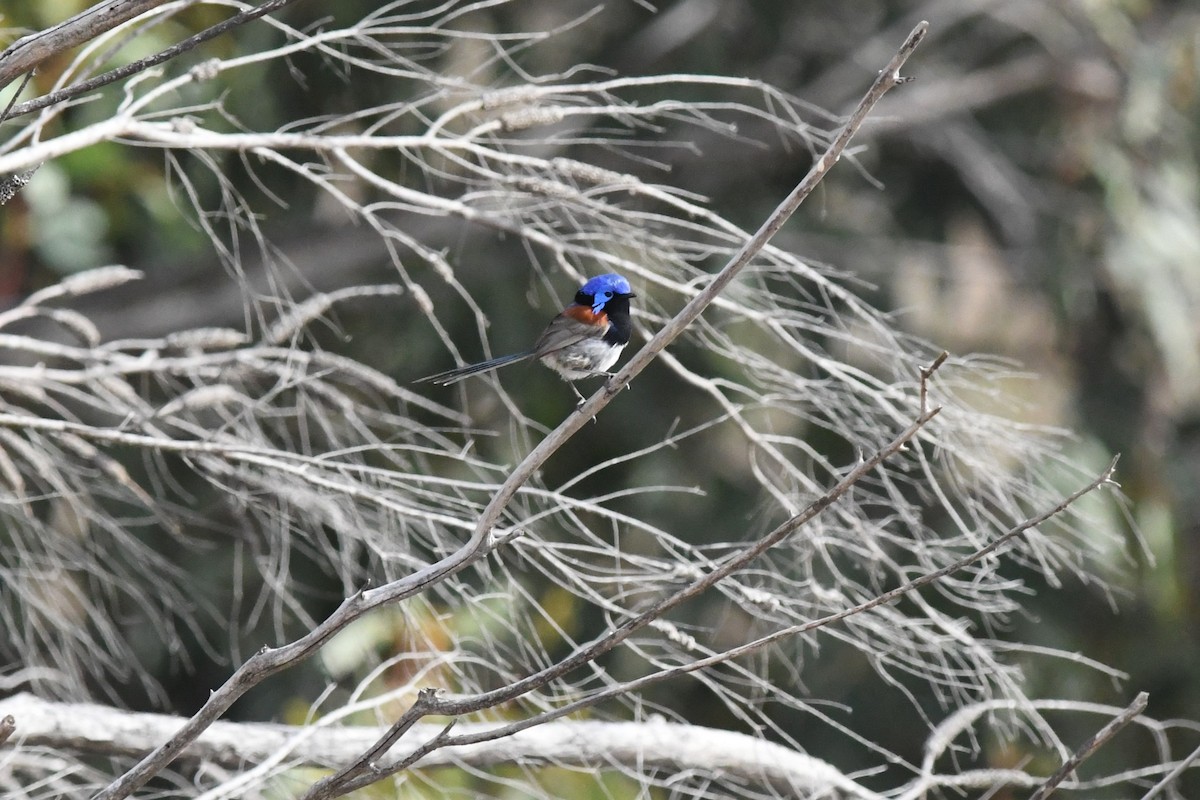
(1032,195)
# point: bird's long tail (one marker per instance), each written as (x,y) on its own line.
(457,374)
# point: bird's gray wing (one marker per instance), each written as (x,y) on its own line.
(564,331)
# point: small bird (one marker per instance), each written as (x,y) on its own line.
(583,341)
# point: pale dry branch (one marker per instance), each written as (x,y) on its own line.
(101,730)
(428,705)
(1090,746)
(26,53)
(87,26)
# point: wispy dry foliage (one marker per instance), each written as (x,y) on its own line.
(895,521)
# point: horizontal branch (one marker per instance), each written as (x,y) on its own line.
(183,132)
(101,730)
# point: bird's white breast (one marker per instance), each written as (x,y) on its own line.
(583,359)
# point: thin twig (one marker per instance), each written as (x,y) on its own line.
(29,51)
(1090,746)
(8,109)
(366,762)
(926,372)
(1173,775)
(142,64)
(364,772)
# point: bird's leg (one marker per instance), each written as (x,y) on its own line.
(582,399)
(577,394)
(608,376)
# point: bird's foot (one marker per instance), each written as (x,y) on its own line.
(608,383)
(581,399)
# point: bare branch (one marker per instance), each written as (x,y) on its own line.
(926,373)
(142,64)
(1091,745)
(617,690)
(100,730)
(27,52)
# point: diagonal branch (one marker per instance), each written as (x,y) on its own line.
(27,52)
(270,661)
(623,689)
(1091,745)
(142,64)
(888,78)
(362,773)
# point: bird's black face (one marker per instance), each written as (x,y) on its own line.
(616,308)
(606,300)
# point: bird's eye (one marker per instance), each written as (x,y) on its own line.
(608,295)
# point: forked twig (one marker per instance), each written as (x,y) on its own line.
(365,763)
(926,373)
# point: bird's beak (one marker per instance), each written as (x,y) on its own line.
(631,294)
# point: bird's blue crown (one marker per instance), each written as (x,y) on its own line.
(603,288)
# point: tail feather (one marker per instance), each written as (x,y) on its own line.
(455,375)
